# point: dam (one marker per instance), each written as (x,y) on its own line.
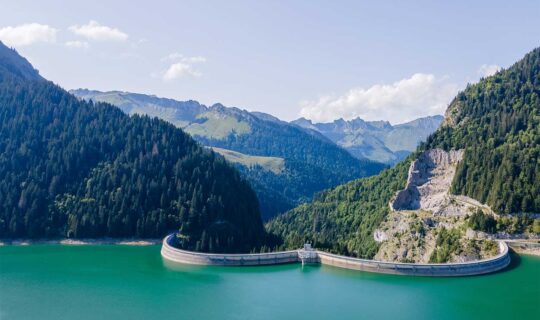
(311,255)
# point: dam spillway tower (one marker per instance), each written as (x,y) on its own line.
(307,254)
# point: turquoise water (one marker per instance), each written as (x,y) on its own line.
(122,282)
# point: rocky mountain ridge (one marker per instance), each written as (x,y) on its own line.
(375,140)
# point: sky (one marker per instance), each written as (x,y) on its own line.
(322,60)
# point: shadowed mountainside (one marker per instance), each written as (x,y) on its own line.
(75,169)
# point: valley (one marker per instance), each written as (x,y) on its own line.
(422,210)
(311,162)
(269,160)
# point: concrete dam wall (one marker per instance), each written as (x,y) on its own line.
(493,264)
(224,259)
(499,262)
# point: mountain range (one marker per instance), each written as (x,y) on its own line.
(285,164)
(376,140)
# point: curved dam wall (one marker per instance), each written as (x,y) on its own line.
(493,264)
(224,259)
(499,262)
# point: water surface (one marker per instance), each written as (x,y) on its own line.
(123,282)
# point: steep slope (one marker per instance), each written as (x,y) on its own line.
(272,164)
(376,140)
(70,168)
(15,65)
(179,113)
(488,147)
(312,162)
(425,213)
(497,122)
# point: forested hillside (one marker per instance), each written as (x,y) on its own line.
(70,168)
(12,63)
(495,121)
(312,162)
(342,220)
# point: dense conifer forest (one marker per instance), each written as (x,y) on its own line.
(497,122)
(342,220)
(74,169)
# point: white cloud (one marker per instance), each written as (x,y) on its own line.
(77,44)
(486,70)
(404,100)
(180,69)
(27,34)
(95,31)
(183,66)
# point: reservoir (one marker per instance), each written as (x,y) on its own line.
(133,282)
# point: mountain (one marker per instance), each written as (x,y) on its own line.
(15,65)
(75,169)
(476,177)
(308,161)
(376,140)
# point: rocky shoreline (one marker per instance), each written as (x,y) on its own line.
(525,246)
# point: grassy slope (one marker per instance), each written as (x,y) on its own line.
(217,126)
(272,164)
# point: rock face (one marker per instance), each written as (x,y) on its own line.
(380,236)
(430,177)
(409,233)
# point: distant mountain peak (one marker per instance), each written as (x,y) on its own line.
(218,105)
(376,140)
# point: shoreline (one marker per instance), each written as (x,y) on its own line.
(82,242)
(151,242)
(535,253)
(525,246)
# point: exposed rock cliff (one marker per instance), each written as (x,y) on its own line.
(430,177)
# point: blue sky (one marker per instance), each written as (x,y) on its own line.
(391,60)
